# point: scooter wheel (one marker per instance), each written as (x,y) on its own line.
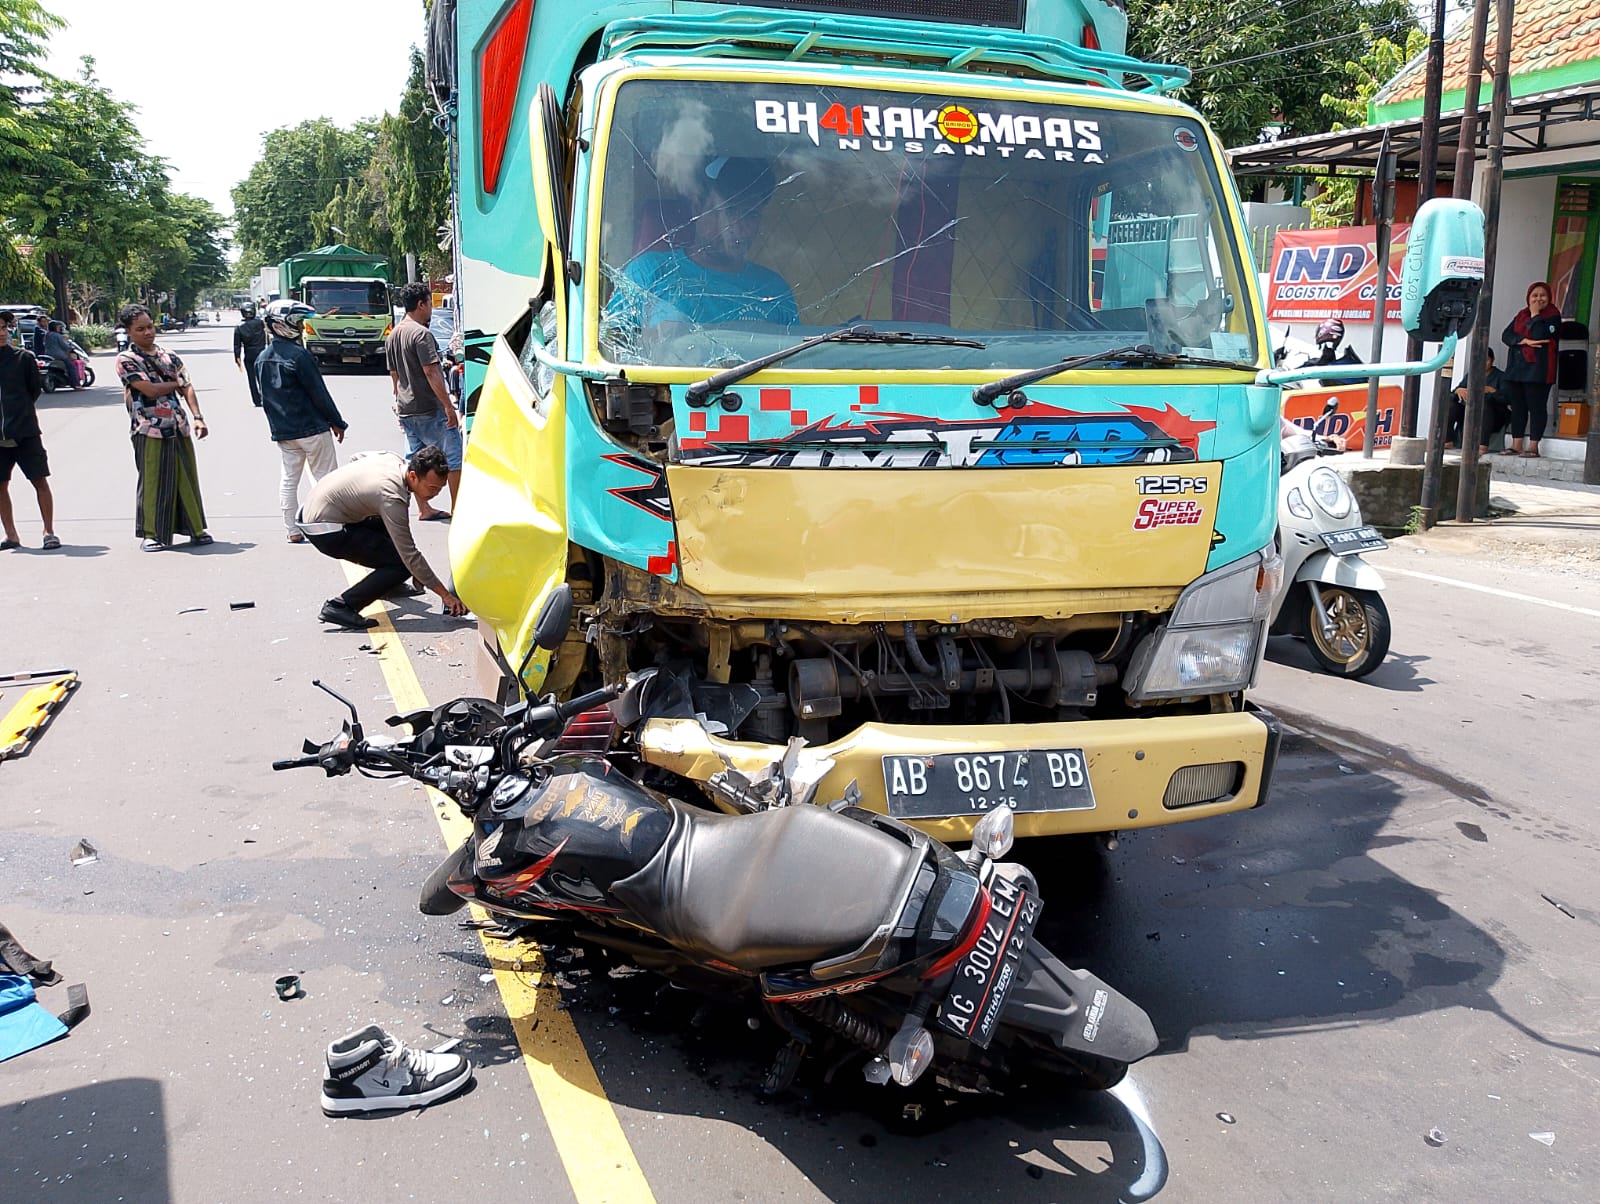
(1360,637)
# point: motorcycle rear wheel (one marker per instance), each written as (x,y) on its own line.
(1360,639)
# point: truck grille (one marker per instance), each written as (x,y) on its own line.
(1000,14)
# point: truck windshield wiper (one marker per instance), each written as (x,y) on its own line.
(1139,353)
(702,391)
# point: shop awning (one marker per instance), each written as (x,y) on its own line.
(1541,124)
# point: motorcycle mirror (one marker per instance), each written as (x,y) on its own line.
(555,618)
(549,629)
(1329,409)
(355,719)
(995,833)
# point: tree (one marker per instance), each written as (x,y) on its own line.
(1259,63)
(301,169)
(189,257)
(1335,202)
(24,29)
(399,202)
(95,207)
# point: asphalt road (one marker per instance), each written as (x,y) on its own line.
(1370,957)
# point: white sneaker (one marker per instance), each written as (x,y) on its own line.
(370,1071)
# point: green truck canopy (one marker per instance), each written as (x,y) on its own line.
(335,260)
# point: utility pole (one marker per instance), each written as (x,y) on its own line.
(1383,213)
(1427,182)
(1466,156)
(1472,419)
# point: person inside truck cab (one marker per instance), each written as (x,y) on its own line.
(709,280)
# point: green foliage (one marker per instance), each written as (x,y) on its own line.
(93,336)
(393,200)
(94,206)
(189,254)
(301,169)
(1260,63)
(1414,520)
(1335,202)
(24,29)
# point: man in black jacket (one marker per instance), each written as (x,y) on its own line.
(300,412)
(20,442)
(249,338)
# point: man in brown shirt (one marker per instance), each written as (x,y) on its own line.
(422,400)
(362,513)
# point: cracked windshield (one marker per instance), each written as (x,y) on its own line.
(738,218)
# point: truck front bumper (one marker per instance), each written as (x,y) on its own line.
(1131,765)
(346,350)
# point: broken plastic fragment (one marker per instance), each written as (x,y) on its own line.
(1544,1138)
(1434,1137)
(1225,1117)
(84,853)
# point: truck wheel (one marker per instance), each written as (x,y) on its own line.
(1360,638)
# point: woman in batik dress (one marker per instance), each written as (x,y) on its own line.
(155,388)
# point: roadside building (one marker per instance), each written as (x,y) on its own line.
(1550,202)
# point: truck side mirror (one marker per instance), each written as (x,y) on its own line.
(1443,270)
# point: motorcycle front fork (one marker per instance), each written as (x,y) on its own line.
(1321,611)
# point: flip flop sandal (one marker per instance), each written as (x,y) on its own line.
(200,540)
(1530,455)
(297,537)
(7,544)
(153,545)
(51,543)
(438,516)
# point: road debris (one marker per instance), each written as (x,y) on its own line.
(84,853)
(191,610)
(241,605)
(1561,907)
(1544,1138)
(1226,1118)
(288,987)
(1434,1138)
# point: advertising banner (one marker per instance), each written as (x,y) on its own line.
(1304,407)
(1319,274)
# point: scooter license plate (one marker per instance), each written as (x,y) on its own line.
(1033,779)
(985,975)
(1360,539)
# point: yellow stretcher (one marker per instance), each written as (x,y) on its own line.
(29,713)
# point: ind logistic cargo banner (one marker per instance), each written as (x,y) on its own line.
(1349,422)
(1317,274)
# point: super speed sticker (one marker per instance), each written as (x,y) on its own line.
(1154,513)
(951,129)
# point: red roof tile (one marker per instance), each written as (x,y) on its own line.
(1546,34)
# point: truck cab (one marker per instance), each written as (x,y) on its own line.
(893,385)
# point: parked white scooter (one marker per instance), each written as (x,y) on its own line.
(1330,596)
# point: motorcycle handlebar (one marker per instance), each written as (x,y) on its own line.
(587,702)
(294,763)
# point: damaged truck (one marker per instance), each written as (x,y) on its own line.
(891,377)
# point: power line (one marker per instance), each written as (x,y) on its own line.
(1283,52)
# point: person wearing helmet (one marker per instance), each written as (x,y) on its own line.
(249,339)
(301,416)
(1329,335)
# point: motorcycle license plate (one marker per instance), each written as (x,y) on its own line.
(984,976)
(1034,779)
(1360,539)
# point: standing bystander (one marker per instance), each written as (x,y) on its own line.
(422,399)
(301,416)
(362,513)
(1531,368)
(21,444)
(249,339)
(155,386)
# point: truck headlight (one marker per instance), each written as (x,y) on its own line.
(1211,643)
(1329,492)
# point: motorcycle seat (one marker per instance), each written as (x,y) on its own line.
(777,888)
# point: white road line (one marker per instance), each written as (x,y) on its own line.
(1498,593)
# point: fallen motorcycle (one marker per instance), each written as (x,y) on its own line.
(857,935)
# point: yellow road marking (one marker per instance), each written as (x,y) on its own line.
(594,1150)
